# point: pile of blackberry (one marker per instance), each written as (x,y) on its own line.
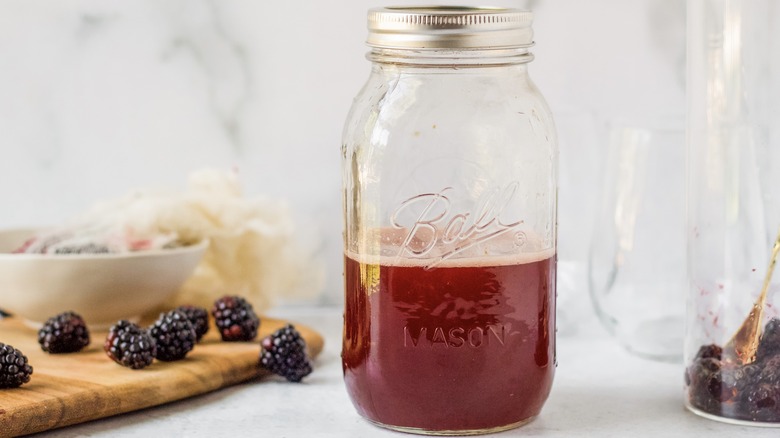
(719,385)
(170,338)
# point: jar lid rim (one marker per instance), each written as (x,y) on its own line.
(449,27)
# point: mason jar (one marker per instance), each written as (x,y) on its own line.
(449,182)
(732,343)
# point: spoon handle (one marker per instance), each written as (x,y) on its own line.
(745,340)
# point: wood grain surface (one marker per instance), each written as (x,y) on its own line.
(73,388)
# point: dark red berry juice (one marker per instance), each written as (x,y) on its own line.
(464,346)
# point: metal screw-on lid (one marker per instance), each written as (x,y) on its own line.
(449,27)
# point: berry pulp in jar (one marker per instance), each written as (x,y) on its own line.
(468,345)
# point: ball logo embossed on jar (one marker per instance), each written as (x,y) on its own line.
(435,225)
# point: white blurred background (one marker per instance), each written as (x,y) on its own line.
(100,97)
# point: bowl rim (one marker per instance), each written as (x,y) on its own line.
(194,247)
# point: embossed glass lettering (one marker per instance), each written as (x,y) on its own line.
(436,225)
(456,337)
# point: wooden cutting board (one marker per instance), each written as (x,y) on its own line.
(73,388)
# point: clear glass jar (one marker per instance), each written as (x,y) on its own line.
(732,344)
(449,178)
(639,296)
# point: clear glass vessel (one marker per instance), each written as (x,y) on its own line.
(637,273)
(732,344)
(449,179)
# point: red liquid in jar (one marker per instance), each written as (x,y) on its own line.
(467,345)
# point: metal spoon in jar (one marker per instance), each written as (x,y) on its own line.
(745,340)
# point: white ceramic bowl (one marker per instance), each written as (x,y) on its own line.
(103,288)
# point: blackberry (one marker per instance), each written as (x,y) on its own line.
(235,319)
(770,371)
(709,351)
(64,333)
(129,345)
(174,336)
(702,369)
(761,402)
(769,344)
(750,372)
(704,380)
(14,369)
(746,376)
(198,317)
(284,353)
(722,385)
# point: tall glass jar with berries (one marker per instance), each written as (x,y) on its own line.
(449,173)
(732,349)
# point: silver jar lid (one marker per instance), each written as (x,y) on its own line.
(449,27)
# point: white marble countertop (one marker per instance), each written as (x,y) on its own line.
(599,391)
